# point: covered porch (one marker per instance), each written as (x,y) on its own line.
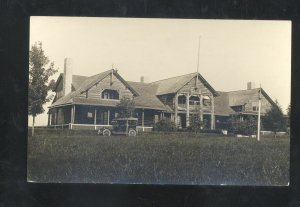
(81,116)
(95,117)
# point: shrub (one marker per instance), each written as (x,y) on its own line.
(165,125)
(211,131)
(195,123)
(246,127)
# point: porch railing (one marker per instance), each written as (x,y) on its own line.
(95,127)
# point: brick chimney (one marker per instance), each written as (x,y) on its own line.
(67,83)
(142,79)
(250,85)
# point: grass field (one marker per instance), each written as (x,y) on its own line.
(156,158)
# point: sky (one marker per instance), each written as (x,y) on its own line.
(232,52)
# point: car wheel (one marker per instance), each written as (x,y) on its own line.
(106,132)
(131,133)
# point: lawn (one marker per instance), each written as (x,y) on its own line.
(156,158)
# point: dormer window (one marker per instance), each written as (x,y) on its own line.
(238,108)
(110,94)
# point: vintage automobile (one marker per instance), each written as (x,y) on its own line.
(121,126)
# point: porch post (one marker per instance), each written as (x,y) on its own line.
(72,117)
(49,118)
(201,107)
(56,117)
(108,115)
(95,118)
(187,97)
(212,117)
(143,118)
(74,114)
(176,109)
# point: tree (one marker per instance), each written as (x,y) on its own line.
(274,119)
(248,126)
(126,107)
(195,123)
(40,70)
(288,116)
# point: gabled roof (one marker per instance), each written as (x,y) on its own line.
(241,97)
(147,97)
(77,80)
(87,83)
(174,84)
(222,107)
(226,100)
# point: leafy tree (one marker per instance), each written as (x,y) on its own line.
(288,116)
(40,71)
(195,123)
(126,107)
(248,126)
(274,119)
(165,125)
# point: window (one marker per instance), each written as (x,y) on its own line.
(155,118)
(181,100)
(194,100)
(110,94)
(89,115)
(238,108)
(255,106)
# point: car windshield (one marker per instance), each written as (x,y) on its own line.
(132,122)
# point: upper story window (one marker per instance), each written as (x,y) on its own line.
(238,108)
(110,94)
(181,99)
(254,106)
(194,100)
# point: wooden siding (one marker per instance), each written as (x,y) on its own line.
(265,104)
(253,101)
(187,88)
(95,91)
(203,90)
(59,89)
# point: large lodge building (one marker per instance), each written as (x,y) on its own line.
(90,102)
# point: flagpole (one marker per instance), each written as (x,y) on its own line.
(198,62)
(258,117)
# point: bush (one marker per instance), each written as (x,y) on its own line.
(211,131)
(165,125)
(246,127)
(196,125)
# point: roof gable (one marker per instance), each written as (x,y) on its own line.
(174,84)
(87,83)
(241,97)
